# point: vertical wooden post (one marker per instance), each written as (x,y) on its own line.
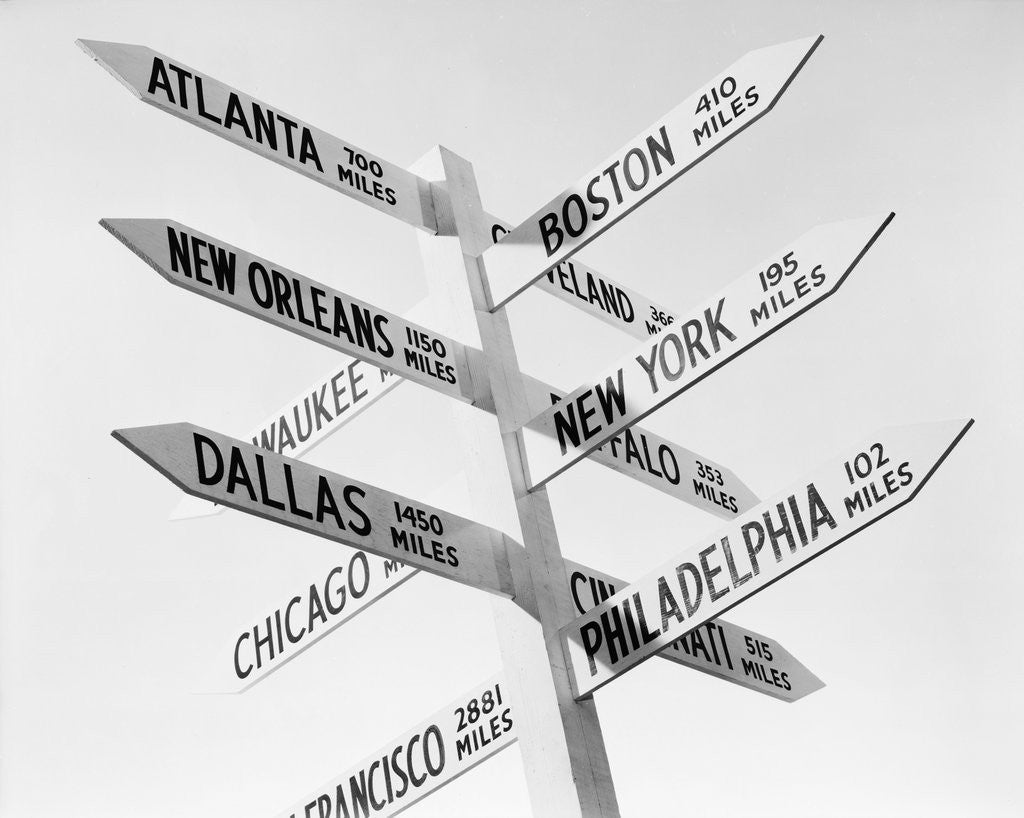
(560,739)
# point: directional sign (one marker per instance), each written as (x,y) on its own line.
(350,387)
(756,549)
(229,113)
(726,651)
(661,464)
(738,655)
(768,297)
(451,742)
(660,154)
(307,614)
(315,611)
(241,476)
(637,453)
(596,294)
(272,293)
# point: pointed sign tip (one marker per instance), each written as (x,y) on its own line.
(126,437)
(135,234)
(99,50)
(156,445)
(116,227)
(141,439)
(114,57)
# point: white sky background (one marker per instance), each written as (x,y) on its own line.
(113,620)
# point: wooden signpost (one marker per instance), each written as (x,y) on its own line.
(351,586)
(596,294)
(718,648)
(272,293)
(231,114)
(452,741)
(311,613)
(241,476)
(661,464)
(308,419)
(563,629)
(869,481)
(724,107)
(765,299)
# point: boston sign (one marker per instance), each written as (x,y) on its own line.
(658,155)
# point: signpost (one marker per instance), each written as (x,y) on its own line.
(661,464)
(347,589)
(355,384)
(596,294)
(739,655)
(571,629)
(451,742)
(724,107)
(845,496)
(351,586)
(351,386)
(785,285)
(231,114)
(241,476)
(272,293)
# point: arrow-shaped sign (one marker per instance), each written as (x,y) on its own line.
(598,295)
(661,464)
(272,293)
(241,476)
(718,648)
(756,549)
(173,87)
(233,115)
(660,154)
(388,344)
(449,743)
(351,387)
(317,610)
(765,299)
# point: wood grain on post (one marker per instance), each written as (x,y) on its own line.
(563,751)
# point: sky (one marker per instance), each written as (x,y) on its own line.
(115,621)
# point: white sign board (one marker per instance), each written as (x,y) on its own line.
(244,477)
(217,270)
(754,550)
(350,388)
(315,611)
(722,108)
(451,742)
(782,287)
(718,648)
(596,294)
(661,464)
(237,117)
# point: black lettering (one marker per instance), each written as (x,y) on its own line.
(158,79)
(205,478)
